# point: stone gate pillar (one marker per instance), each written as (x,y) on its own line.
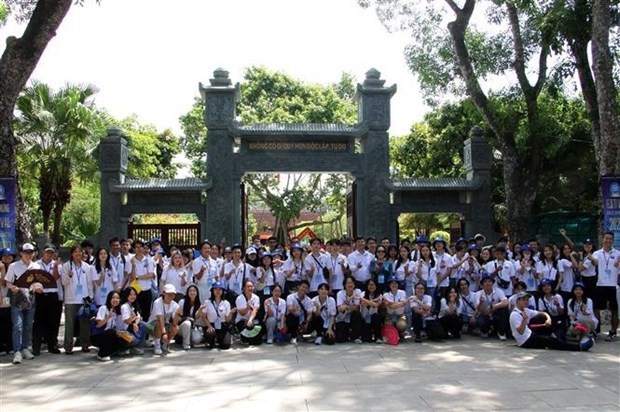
(223,216)
(373,195)
(113,166)
(478,158)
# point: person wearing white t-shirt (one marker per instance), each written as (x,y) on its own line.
(162,320)
(105,278)
(324,323)
(492,309)
(132,322)
(78,288)
(372,320)
(526,269)
(348,318)
(106,338)
(502,270)
(314,264)
(359,263)
(473,268)
(294,269)
(426,269)
(275,313)
(237,271)
(205,270)
(469,305)
(553,304)
(581,311)
(526,338)
(607,260)
(395,302)
(143,270)
(443,266)
(449,315)
(189,316)
(587,269)
(299,311)
(422,308)
(338,265)
(248,305)
(22,311)
(120,263)
(218,318)
(175,273)
(567,265)
(547,266)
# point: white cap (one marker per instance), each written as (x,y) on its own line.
(169,288)
(251,250)
(27,247)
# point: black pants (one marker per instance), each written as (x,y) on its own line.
(317,325)
(221,336)
(499,321)
(371,332)
(349,331)
(6,330)
(108,342)
(452,325)
(590,286)
(145,299)
(537,341)
(46,320)
(292,324)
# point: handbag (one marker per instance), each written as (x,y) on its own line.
(325,270)
(126,336)
(94,330)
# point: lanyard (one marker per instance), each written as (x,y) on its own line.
(78,272)
(490,299)
(116,261)
(216,308)
(607,258)
(334,264)
(206,263)
(276,311)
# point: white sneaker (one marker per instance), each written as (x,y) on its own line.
(318,340)
(27,354)
(293,341)
(358,340)
(17,358)
(186,347)
(379,341)
(269,341)
(157,349)
(137,351)
(502,337)
(103,358)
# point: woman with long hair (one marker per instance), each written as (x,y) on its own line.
(105,336)
(133,322)
(450,313)
(547,267)
(275,313)
(218,319)
(581,311)
(105,278)
(372,320)
(324,323)
(176,274)
(190,316)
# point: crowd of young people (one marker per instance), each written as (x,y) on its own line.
(133,294)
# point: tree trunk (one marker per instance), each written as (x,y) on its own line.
(16,66)
(57,223)
(609,150)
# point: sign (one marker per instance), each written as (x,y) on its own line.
(7,213)
(298,146)
(306,232)
(36,275)
(610,188)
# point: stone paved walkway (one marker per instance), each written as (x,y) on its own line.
(471,374)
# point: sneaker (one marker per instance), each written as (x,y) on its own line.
(125,352)
(587,345)
(186,347)
(17,358)
(379,341)
(27,354)
(502,337)
(611,337)
(484,334)
(358,340)
(417,339)
(54,350)
(293,341)
(157,349)
(269,341)
(103,358)
(384,340)
(318,340)
(137,351)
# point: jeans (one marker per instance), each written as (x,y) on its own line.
(22,320)
(499,322)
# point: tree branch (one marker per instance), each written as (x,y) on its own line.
(316,222)
(456,9)
(519,63)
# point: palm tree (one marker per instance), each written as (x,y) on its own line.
(56,132)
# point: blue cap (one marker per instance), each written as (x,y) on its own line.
(277,252)
(439,239)
(153,240)
(486,276)
(590,241)
(546,282)
(392,279)
(460,240)
(474,247)
(265,254)
(422,239)
(296,246)
(579,285)
(217,285)
(6,252)
(525,246)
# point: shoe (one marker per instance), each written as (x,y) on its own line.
(36,351)
(137,351)
(293,341)
(379,341)
(54,350)
(384,340)
(269,341)
(417,339)
(17,358)
(587,345)
(611,337)
(502,337)
(358,340)
(157,350)
(85,349)
(27,354)
(103,358)
(69,352)
(484,334)
(318,340)
(186,347)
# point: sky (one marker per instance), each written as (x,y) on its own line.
(148,56)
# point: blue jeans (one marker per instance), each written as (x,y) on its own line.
(140,341)
(22,320)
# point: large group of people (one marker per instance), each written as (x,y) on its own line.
(133,295)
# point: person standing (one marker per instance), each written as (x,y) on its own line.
(359,263)
(22,304)
(143,270)
(49,306)
(6,345)
(607,260)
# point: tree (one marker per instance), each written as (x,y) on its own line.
(273,97)
(56,131)
(17,63)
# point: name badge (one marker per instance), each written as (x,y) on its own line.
(326,323)
(367,317)
(235,286)
(530,283)
(267,290)
(79,290)
(103,291)
(209,282)
(218,323)
(431,282)
(608,274)
(381,279)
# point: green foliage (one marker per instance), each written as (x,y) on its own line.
(441,233)
(4,11)
(424,224)
(194,140)
(81,218)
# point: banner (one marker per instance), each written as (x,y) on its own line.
(610,186)
(7,213)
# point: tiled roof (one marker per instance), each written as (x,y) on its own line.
(324,129)
(445,183)
(159,185)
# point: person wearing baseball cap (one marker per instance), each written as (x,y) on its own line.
(162,321)
(587,269)
(218,318)
(492,308)
(22,303)
(527,338)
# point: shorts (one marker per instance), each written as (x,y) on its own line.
(605,295)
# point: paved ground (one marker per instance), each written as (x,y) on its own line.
(472,374)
